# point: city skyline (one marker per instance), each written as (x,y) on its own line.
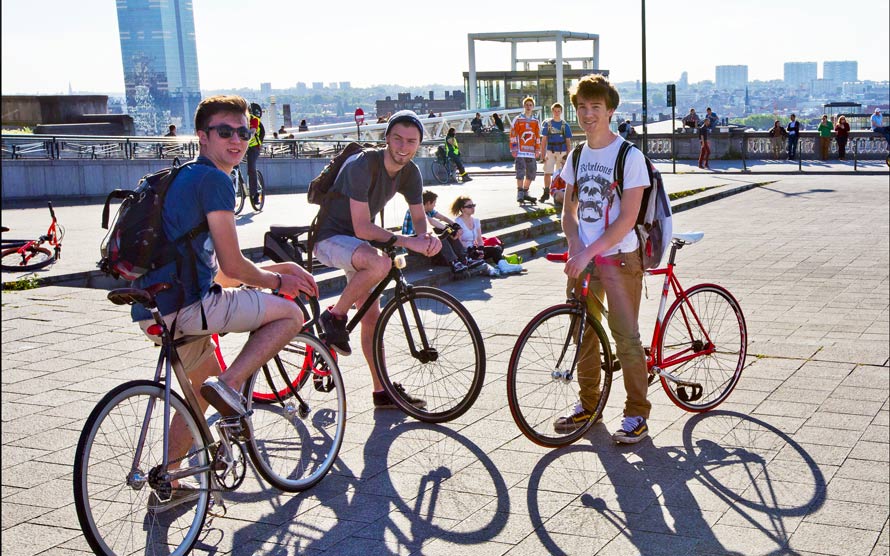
(229,58)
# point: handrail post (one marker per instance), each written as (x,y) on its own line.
(744,152)
(855,154)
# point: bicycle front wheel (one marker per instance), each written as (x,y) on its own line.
(31,258)
(296,438)
(542,376)
(440,171)
(240,186)
(427,345)
(113,491)
(260,193)
(703,345)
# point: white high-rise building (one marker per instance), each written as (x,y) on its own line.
(800,73)
(730,78)
(841,72)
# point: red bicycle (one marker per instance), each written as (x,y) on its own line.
(20,255)
(698,351)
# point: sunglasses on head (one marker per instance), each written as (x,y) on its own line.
(225,131)
(469,206)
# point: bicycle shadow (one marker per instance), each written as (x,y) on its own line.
(400,492)
(646,500)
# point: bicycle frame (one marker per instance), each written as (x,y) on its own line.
(52,236)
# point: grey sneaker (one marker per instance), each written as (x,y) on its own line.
(228,402)
(633,429)
(183,494)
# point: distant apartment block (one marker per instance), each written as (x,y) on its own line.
(265,89)
(841,72)
(160,63)
(800,73)
(317,85)
(301,86)
(730,78)
(345,85)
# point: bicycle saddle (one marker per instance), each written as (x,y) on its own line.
(688,238)
(129,296)
(288,231)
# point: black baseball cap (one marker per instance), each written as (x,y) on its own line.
(405,117)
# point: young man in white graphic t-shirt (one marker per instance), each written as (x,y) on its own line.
(599,226)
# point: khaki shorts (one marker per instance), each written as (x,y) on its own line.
(554,161)
(226,310)
(337,251)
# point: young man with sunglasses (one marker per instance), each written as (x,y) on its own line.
(366,182)
(599,226)
(205,298)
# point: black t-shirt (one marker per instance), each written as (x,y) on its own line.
(354,182)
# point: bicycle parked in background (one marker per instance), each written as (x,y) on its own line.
(242,189)
(444,169)
(698,351)
(20,255)
(131,498)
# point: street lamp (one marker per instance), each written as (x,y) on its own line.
(645,104)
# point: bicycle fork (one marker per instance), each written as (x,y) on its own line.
(426,354)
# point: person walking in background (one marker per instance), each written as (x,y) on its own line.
(498,122)
(254,146)
(842,130)
(453,151)
(704,132)
(778,134)
(525,146)
(556,142)
(824,137)
(171,131)
(793,130)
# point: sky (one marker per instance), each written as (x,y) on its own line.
(49,44)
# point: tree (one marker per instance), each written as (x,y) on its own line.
(760,121)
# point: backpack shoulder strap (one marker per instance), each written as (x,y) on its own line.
(618,172)
(576,159)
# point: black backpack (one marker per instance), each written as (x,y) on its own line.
(324,181)
(136,242)
(654,225)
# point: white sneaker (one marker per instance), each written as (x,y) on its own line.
(507,268)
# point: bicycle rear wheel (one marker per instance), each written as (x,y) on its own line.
(440,171)
(448,374)
(296,438)
(703,344)
(32,258)
(111,493)
(261,193)
(542,376)
(240,186)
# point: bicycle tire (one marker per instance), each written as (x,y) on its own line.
(536,397)
(450,382)
(42,255)
(440,172)
(113,514)
(716,372)
(294,446)
(261,193)
(238,183)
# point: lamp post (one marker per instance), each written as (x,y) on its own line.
(645,104)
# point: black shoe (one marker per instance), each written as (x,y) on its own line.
(466,178)
(475,263)
(545,196)
(335,333)
(458,267)
(383,401)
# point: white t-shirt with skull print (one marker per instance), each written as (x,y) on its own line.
(595,189)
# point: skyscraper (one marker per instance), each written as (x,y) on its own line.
(730,78)
(160,63)
(840,71)
(799,73)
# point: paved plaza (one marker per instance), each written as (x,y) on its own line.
(797,461)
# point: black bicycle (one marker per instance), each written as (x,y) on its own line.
(426,342)
(242,190)
(444,169)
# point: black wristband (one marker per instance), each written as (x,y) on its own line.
(277,290)
(392,241)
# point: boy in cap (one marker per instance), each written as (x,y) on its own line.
(366,182)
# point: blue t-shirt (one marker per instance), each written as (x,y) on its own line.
(198,189)
(556,133)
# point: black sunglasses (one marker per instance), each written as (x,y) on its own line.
(469,206)
(225,131)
